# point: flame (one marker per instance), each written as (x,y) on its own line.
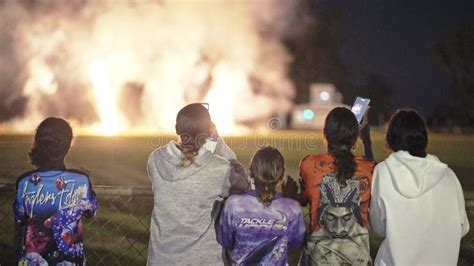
(105,100)
(180,52)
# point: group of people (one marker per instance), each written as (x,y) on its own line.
(211,210)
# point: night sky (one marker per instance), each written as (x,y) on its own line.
(392,38)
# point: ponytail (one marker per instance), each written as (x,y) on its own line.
(341,131)
(193,125)
(265,190)
(267,168)
(345,164)
(190,146)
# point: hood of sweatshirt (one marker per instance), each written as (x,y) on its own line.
(413,176)
(167,160)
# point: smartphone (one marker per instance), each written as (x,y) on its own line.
(360,107)
(206,105)
(211,141)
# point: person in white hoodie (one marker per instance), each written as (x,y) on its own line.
(187,181)
(417,201)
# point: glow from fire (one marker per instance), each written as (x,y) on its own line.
(119,68)
(105,100)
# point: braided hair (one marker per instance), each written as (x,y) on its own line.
(267,168)
(341,131)
(193,125)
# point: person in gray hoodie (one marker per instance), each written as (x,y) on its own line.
(187,181)
(417,201)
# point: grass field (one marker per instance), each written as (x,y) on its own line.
(122,160)
(119,233)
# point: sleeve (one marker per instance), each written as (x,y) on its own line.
(225,232)
(19,205)
(303,182)
(377,207)
(298,231)
(365,179)
(151,168)
(223,150)
(462,208)
(92,203)
(238,178)
(226,185)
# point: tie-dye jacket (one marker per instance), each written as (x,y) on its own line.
(49,205)
(258,234)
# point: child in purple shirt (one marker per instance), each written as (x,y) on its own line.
(259,226)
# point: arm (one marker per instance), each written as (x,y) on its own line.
(238,178)
(298,231)
(19,207)
(92,204)
(304,197)
(151,168)
(377,207)
(290,189)
(225,233)
(223,150)
(365,137)
(462,208)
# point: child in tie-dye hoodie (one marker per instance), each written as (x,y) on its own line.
(259,226)
(51,201)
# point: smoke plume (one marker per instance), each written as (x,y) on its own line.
(118,66)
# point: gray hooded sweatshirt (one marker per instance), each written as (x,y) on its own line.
(182,224)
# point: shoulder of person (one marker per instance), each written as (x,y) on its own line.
(364,162)
(215,159)
(291,202)
(309,159)
(78,172)
(291,207)
(23,176)
(365,167)
(236,198)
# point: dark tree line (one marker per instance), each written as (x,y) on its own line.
(454,52)
(316,45)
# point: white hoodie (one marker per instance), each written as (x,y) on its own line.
(418,206)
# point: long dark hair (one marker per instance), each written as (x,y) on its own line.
(193,125)
(51,143)
(407,131)
(341,131)
(267,168)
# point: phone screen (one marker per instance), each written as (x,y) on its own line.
(359,108)
(205,105)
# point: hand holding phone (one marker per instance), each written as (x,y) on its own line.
(211,141)
(359,108)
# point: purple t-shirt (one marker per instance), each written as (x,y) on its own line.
(259,234)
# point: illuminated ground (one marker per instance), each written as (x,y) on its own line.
(119,234)
(122,160)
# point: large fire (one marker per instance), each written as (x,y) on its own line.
(118,67)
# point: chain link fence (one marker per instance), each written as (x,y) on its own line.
(119,233)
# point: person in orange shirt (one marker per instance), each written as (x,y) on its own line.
(336,184)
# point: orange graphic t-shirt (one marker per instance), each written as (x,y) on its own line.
(312,170)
